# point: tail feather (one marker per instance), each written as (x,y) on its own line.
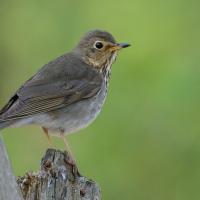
(4,124)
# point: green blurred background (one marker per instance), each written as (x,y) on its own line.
(145,145)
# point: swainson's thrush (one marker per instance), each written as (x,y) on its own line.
(66,94)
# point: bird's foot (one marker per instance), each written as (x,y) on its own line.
(70,160)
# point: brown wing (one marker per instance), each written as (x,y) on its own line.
(41,94)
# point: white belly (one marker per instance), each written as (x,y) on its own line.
(74,117)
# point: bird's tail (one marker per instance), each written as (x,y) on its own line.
(3,124)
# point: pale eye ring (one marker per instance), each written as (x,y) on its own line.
(98,45)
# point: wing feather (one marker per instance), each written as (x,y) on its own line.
(41,95)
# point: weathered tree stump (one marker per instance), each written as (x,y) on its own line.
(8,185)
(57,180)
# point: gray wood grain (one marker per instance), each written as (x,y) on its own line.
(57,180)
(8,185)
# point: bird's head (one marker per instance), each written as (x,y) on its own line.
(99,48)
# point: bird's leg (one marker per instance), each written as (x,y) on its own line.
(71,160)
(47,135)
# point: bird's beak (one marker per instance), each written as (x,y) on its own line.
(119,46)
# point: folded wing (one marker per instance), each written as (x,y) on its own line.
(41,94)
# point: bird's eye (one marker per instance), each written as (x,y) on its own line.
(98,45)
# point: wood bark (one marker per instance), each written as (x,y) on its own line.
(57,180)
(8,185)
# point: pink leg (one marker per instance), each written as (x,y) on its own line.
(47,135)
(71,157)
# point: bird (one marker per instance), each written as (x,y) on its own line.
(68,93)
